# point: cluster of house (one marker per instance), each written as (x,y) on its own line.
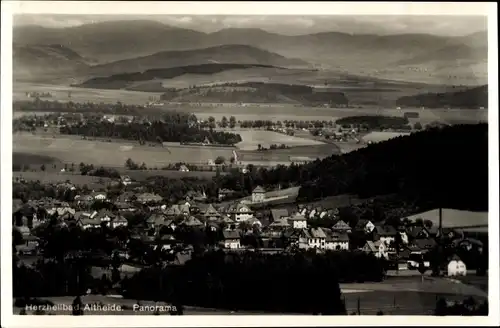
(277,229)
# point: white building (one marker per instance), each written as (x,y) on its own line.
(312,238)
(456,267)
(231,239)
(118,221)
(242,213)
(337,241)
(258,195)
(298,221)
(377,248)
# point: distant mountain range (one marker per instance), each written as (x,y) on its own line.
(129,46)
(225,54)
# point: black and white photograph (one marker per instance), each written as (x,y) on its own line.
(191,163)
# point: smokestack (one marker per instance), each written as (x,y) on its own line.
(440,222)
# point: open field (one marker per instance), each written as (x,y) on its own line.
(283,155)
(250,111)
(113,154)
(54,174)
(289,112)
(60,93)
(455,218)
(252,138)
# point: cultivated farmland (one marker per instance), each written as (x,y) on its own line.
(113,154)
(252,138)
(283,155)
(60,93)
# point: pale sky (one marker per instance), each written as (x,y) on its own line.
(291,25)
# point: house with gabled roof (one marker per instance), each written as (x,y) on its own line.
(227,222)
(149,198)
(341,226)
(318,238)
(156,220)
(420,232)
(377,248)
(365,225)
(211,214)
(310,238)
(258,195)
(336,240)
(240,212)
(104,215)
(254,222)
(88,223)
(232,239)
(279,213)
(29,245)
(125,207)
(385,233)
(127,196)
(99,195)
(192,222)
(118,221)
(164,242)
(298,221)
(279,224)
(468,243)
(84,199)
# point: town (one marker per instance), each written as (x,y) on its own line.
(283,166)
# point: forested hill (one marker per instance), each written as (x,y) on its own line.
(446,166)
(471,98)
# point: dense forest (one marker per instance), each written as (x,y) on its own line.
(446,166)
(471,98)
(257,92)
(174,127)
(119,81)
(374,122)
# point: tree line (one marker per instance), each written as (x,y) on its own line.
(180,129)
(259,92)
(219,280)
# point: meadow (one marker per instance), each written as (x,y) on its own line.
(283,155)
(112,154)
(253,138)
(253,112)
(455,218)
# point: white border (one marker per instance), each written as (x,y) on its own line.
(240,8)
